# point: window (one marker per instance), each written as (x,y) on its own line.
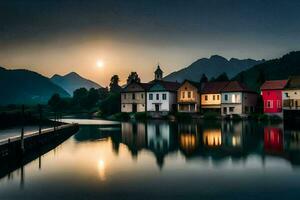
(226,97)
(206,97)
(269,104)
(233,98)
(164,96)
(286,94)
(142,95)
(150,96)
(189,94)
(214,97)
(157,96)
(218,97)
(225,110)
(231,109)
(143,105)
(183,94)
(278,104)
(133,95)
(123,105)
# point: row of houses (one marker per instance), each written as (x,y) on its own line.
(227,98)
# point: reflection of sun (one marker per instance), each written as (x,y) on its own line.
(101,169)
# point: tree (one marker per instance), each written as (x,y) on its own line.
(56,103)
(133,77)
(222,77)
(261,78)
(203,79)
(111,105)
(114,84)
(80,97)
(92,98)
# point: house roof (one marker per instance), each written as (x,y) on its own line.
(213,87)
(144,86)
(167,85)
(293,83)
(195,84)
(274,85)
(236,86)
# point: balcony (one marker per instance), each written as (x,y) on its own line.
(292,104)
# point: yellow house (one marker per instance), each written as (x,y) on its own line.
(188,97)
(211,96)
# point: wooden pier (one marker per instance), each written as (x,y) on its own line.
(18,146)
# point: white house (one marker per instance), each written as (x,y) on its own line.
(237,99)
(133,97)
(161,96)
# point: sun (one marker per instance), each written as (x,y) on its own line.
(100,63)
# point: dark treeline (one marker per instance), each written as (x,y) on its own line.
(102,101)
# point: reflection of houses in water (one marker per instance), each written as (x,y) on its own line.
(134,136)
(273,139)
(212,137)
(232,133)
(188,137)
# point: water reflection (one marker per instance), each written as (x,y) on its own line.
(157,157)
(216,141)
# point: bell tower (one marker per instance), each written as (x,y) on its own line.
(158,74)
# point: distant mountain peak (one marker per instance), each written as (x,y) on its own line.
(72,81)
(217,57)
(212,67)
(26,87)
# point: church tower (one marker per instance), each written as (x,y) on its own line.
(158,74)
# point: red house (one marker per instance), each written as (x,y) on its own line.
(271,92)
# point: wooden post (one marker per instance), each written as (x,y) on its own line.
(40,119)
(22,130)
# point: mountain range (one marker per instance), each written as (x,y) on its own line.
(72,81)
(275,69)
(20,86)
(212,67)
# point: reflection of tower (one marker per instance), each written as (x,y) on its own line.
(158,74)
(158,140)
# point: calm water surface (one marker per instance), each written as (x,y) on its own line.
(162,160)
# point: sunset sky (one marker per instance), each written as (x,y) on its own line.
(133,35)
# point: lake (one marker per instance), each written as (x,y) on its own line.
(165,160)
